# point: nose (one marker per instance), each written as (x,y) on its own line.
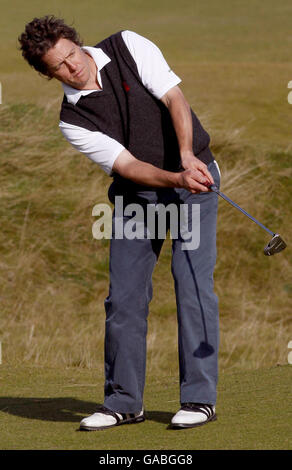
(71,66)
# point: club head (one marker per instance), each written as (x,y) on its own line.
(274,246)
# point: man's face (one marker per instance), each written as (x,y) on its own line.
(68,63)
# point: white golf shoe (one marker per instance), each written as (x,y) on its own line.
(193,414)
(105,418)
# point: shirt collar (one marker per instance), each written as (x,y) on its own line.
(101,59)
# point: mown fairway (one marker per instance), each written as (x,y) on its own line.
(235,62)
(41,409)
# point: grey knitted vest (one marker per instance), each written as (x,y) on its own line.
(126,111)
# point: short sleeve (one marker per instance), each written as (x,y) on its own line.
(155,73)
(97,146)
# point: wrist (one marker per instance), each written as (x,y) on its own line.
(187,156)
(177,180)
(186,153)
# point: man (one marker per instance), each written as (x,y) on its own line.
(123,109)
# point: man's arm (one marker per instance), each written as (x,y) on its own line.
(180,112)
(111,156)
(146,174)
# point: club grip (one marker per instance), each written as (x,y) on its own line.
(214,188)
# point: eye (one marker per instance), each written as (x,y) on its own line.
(55,69)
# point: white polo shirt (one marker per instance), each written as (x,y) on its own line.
(155,75)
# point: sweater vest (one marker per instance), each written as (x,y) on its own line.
(127,112)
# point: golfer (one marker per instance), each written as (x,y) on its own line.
(123,108)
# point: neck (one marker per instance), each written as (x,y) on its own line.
(92,83)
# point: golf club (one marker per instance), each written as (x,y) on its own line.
(275,245)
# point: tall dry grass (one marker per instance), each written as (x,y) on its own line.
(54,275)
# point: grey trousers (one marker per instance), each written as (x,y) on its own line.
(131,266)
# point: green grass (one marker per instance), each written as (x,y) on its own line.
(41,409)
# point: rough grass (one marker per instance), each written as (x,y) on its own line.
(54,275)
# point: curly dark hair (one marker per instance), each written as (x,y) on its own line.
(40,35)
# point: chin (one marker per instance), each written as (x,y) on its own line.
(79,85)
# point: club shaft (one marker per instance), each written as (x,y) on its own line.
(216,190)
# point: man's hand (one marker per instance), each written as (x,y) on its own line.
(193,180)
(190,162)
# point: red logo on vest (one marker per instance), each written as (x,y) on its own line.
(126,86)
